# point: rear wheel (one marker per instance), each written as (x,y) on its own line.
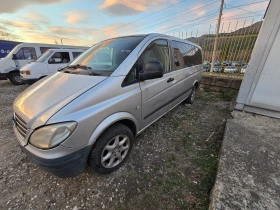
(191,98)
(15,78)
(111,149)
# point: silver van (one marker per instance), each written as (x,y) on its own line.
(91,111)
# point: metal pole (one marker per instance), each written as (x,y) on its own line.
(217,35)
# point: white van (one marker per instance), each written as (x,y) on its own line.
(23,54)
(47,64)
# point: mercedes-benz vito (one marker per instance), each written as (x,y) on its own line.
(91,111)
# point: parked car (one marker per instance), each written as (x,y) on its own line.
(23,54)
(91,111)
(230,69)
(217,63)
(48,64)
(240,63)
(244,69)
(234,63)
(227,63)
(206,62)
(217,69)
(207,67)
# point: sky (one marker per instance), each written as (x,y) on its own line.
(86,22)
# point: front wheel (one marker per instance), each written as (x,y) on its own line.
(15,78)
(111,149)
(191,98)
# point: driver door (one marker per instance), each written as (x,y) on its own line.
(156,93)
(61,59)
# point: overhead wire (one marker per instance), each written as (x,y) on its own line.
(189,11)
(147,15)
(181,15)
(238,7)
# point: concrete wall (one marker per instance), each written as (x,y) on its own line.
(220,83)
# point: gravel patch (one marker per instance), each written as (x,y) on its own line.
(166,168)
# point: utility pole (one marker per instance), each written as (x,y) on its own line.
(217,35)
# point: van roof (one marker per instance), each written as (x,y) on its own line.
(68,50)
(51,45)
(152,35)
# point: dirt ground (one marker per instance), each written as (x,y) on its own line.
(172,165)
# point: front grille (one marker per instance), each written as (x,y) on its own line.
(20,125)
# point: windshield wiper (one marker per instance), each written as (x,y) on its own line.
(75,67)
(81,67)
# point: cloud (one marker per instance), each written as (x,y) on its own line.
(35,16)
(30,36)
(14,5)
(79,16)
(230,14)
(2,28)
(129,7)
(20,24)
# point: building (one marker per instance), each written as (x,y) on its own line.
(260,89)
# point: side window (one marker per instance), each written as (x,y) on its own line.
(158,50)
(76,54)
(186,55)
(132,76)
(44,49)
(26,53)
(179,62)
(60,57)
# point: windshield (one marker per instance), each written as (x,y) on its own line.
(105,57)
(44,56)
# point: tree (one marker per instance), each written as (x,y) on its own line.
(6,35)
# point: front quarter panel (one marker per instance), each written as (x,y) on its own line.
(97,104)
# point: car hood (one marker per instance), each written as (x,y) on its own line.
(33,66)
(43,99)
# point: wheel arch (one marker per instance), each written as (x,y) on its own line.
(196,84)
(13,71)
(124,118)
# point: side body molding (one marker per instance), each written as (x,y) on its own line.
(110,121)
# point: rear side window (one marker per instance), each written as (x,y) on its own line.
(76,54)
(61,57)
(26,53)
(186,55)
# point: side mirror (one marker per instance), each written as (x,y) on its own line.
(14,57)
(51,61)
(152,70)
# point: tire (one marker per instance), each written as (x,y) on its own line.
(191,98)
(15,78)
(108,139)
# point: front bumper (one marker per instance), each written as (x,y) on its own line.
(28,81)
(63,167)
(3,76)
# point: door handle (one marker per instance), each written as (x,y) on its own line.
(170,79)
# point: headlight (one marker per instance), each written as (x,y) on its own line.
(51,135)
(25,72)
